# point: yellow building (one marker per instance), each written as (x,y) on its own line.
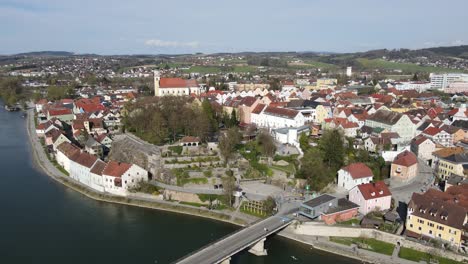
(322,112)
(439,215)
(324,83)
(454,164)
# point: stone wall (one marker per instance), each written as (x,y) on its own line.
(319,229)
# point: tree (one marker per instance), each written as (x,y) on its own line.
(331,144)
(228,142)
(269,205)
(267,145)
(233,120)
(317,174)
(229,186)
(304,142)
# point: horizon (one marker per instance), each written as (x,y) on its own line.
(209,27)
(215,53)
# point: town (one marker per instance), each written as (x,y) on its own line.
(363,159)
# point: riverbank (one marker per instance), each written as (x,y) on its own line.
(42,163)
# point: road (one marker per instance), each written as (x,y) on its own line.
(234,243)
(402,192)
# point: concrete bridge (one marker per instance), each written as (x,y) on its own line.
(252,237)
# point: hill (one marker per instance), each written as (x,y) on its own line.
(45,54)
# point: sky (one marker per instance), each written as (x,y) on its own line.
(186,26)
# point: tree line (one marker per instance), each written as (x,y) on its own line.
(165,119)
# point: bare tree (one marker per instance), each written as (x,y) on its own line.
(267,145)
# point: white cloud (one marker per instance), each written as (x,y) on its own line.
(171,44)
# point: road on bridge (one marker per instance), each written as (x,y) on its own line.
(229,246)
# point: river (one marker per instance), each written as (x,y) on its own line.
(42,221)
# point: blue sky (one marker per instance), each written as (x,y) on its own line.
(187,26)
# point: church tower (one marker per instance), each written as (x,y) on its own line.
(157,78)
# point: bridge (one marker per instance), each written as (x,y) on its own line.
(252,237)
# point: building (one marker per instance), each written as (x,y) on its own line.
(290,135)
(439,215)
(118,177)
(405,166)
(439,136)
(175,86)
(329,209)
(442,81)
(371,197)
(276,117)
(454,164)
(354,174)
(423,148)
(393,122)
(443,153)
(349,71)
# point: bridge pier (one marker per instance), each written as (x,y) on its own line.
(259,248)
(226,261)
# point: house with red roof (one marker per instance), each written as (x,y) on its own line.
(373,196)
(175,86)
(354,174)
(62,113)
(80,167)
(118,177)
(245,108)
(405,166)
(278,117)
(439,136)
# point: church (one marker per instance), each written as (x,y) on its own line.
(175,86)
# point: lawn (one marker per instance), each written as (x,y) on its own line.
(219,69)
(405,67)
(350,222)
(366,243)
(289,168)
(414,255)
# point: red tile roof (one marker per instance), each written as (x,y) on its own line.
(116,169)
(189,139)
(258,109)
(177,83)
(432,131)
(374,190)
(98,167)
(406,159)
(358,170)
(281,112)
(59,112)
(85,159)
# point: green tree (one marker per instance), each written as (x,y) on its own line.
(304,142)
(332,145)
(317,174)
(269,205)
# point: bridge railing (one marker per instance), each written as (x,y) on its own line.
(220,239)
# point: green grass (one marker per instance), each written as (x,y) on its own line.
(341,240)
(405,67)
(415,255)
(290,168)
(350,222)
(367,244)
(219,69)
(313,64)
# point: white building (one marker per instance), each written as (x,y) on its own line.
(418,86)
(175,86)
(118,177)
(349,71)
(441,81)
(354,174)
(290,135)
(275,117)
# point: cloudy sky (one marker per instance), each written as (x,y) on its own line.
(188,26)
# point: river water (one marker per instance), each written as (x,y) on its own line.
(42,221)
